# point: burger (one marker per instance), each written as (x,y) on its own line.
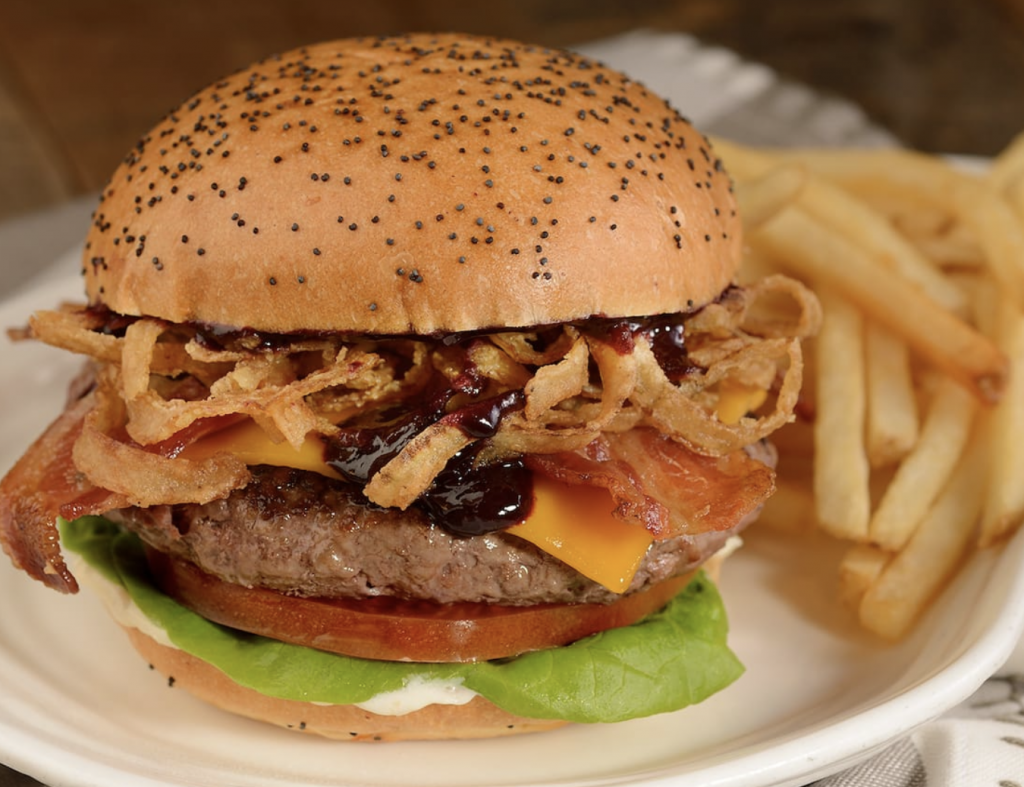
(419,395)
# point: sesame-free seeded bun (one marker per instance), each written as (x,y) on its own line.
(415,184)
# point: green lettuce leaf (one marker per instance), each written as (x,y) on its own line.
(671,659)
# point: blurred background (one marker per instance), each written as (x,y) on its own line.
(80,81)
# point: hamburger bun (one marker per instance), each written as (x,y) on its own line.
(445,183)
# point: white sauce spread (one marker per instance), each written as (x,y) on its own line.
(418,693)
(116,599)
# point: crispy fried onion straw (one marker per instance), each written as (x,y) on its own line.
(146,478)
(159,382)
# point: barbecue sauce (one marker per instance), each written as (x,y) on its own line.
(471,499)
(665,334)
(466,498)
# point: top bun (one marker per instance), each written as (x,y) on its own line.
(415,184)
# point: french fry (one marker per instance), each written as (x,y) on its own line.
(894,172)
(850,217)
(1004,499)
(764,196)
(968,197)
(998,231)
(859,569)
(950,250)
(913,219)
(944,240)
(853,219)
(756,265)
(892,425)
(921,477)
(916,574)
(841,491)
(950,343)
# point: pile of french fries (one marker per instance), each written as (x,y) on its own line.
(911,448)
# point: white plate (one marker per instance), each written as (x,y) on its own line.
(78,707)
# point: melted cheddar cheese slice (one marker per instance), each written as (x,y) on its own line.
(735,401)
(250,443)
(575,524)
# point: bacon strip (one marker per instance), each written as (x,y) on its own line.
(663,486)
(42,486)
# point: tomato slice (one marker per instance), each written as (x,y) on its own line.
(392,629)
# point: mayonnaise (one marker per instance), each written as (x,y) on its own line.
(116,599)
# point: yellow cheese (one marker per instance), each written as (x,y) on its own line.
(250,443)
(575,524)
(735,401)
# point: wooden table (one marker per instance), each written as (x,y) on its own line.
(80,81)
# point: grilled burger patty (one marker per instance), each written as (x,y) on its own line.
(303,534)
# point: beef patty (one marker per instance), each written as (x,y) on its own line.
(303,534)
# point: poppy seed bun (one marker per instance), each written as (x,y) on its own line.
(416,184)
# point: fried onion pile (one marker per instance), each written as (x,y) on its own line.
(160,386)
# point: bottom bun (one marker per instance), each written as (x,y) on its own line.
(478,718)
